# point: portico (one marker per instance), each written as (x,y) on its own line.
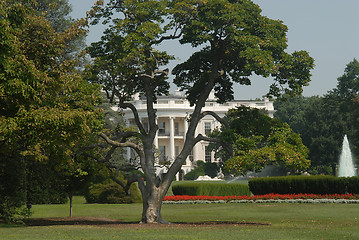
(173,113)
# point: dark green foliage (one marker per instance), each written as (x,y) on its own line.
(211,189)
(12,184)
(304,184)
(253,140)
(43,185)
(210,169)
(194,174)
(111,193)
(348,83)
(322,124)
(10,212)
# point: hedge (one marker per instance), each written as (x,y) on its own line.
(211,189)
(304,184)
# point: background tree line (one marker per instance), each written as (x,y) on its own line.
(323,121)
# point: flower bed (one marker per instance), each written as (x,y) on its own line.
(290,198)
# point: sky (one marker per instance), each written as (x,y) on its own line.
(327,29)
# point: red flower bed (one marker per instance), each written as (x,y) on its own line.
(271,196)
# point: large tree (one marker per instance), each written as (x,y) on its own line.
(45,107)
(234,42)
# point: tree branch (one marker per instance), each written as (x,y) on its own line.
(200,137)
(135,114)
(215,115)
(123,136)
(169,37)
(118,181)
(121,144)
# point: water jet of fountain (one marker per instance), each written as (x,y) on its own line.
(346,165)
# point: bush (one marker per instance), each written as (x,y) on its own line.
(211,189)
(304,184)
(10,212)
(210,169)
(111,193)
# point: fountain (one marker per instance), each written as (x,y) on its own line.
(346,165)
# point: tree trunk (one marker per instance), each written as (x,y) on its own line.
(152,203)
(70,197)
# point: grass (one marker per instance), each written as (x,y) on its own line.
(285,221)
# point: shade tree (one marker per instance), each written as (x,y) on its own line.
(46,108)
(234,40)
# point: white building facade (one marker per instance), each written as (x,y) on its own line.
(172,119)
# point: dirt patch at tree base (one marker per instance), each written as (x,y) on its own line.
(105,222)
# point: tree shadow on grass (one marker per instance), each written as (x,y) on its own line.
(73,221)
(88,221)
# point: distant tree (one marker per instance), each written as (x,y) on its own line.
(57,13)
(46,109)
(235,42)
(348,83)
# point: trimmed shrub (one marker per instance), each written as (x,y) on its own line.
(112,193)
(304,184)
(211,189)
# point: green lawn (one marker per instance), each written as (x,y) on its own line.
(285,221)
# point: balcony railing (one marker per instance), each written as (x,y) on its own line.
(167,134)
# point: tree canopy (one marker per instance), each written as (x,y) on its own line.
(43,101)
(46,108)
(237,42)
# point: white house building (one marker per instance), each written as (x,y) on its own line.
(172,114)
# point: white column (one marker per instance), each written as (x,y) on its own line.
(185,128)
(172,139)
(197,149)
(155,140)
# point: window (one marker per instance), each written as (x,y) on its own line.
(162,150)
(162,158)
(176,128)
(162,128)
(176,151)
(208,154)
(207,128)
(190,156)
